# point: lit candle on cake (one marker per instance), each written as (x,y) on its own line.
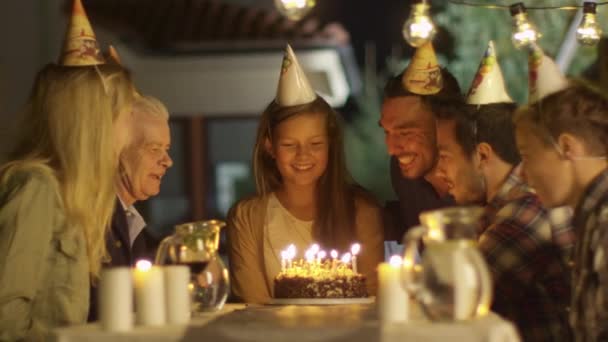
(393,300)
(149,293)
(309,255)
(283,260)
(346,259)
(355,249)
(320,256)
(291,253)
(334,259)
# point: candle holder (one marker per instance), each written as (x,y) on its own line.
(196,245)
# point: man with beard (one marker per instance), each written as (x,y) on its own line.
(409,126)
(478,159)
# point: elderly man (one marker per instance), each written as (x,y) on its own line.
(409,126)
(142,165)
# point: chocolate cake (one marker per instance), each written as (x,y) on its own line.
(319,280)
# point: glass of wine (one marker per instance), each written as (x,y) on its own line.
(196,245)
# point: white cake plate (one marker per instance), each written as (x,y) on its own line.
(321,301)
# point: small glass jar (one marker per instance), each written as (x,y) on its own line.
(196,245)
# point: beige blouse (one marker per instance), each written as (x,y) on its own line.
(251,279)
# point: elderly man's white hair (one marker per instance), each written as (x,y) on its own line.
(149,105)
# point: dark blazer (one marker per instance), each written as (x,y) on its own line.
(414,196)
(118,245)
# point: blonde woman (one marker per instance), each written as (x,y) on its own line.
(57,195)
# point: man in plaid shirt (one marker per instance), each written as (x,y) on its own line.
(525,250)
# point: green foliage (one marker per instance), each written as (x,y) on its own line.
(471,28)
(367,158)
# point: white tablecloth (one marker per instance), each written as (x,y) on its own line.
(338,323)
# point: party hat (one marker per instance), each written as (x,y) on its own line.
(80,47)
(294,88)
(423,75)
(488,85)
(544,77)
(113,55)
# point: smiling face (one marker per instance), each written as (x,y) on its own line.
(409,130)
(465,182)
(300,149)
(146,160)
(543,168)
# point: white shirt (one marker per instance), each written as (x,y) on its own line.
(281,229)
(135,222)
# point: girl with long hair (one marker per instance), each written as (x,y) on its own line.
(304,195)
(57,196)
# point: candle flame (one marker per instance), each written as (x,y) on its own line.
(346,258)
(309,255)
(334,254)
(355,248)
(315,248)
(395,261)
(143,265)
(284,255)
(291,251)
(321,255)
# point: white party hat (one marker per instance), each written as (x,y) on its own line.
(294,88)
(488,85)
(544,77)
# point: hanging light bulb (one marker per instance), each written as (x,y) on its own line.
(294,9)
(588,32)
(524,32)
(419,28)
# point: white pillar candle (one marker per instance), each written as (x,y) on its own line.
(116,299)
(149,293)
(177,296)
(393,300)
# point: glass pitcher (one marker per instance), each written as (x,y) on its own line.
(196,245)
(451,280)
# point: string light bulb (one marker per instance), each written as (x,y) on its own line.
(294,9)
(589,32)
(524,32)
(419,29)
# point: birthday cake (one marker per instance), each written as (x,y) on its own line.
(317,278)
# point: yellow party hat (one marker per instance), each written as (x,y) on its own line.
(488,85)
(80,47)
(423,74)
(544,77)
(294,88)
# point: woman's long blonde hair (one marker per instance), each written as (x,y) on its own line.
(67,133)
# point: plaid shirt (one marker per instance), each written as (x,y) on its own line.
(589,314)
(531,278)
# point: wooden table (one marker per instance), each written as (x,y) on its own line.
(291,323)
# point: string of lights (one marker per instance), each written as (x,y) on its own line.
(419,27)
(500,6)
